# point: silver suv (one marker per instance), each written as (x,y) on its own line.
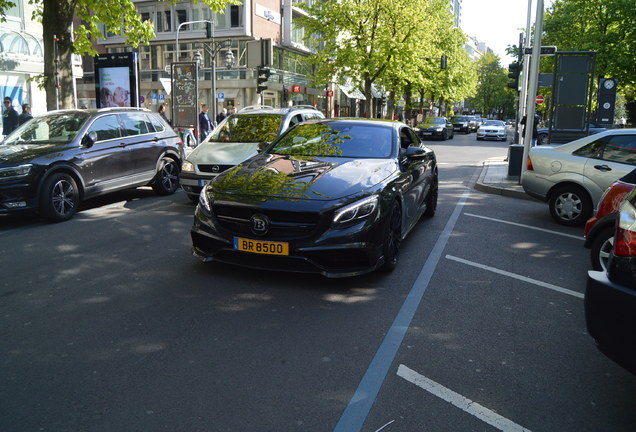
(237,138)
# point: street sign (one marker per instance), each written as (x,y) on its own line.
(329,93)
(545,50)
(540,99)
(220,97)
(295,89)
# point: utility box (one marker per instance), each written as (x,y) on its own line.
(515,159)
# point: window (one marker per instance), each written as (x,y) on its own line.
(621,148)
(235,16)
(135,124)
(156,124)
(163,20)
(106,127)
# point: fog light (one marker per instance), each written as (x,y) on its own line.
(16,204)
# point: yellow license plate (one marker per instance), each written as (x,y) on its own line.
(261,247)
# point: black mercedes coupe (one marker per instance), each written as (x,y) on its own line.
(332,197)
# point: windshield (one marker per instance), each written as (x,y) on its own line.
(435,120)
(348,140)
(460,119)
(50,128)
(248,128)
(494,123)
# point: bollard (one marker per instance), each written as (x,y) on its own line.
(515,159)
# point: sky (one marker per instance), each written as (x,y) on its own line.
(498,22)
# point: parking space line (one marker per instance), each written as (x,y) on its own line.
(525,226)
(365,395)
(517,276)
(461,402)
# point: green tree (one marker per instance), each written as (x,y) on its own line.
(605,26)
(493,95)
(118,16)
(383,42)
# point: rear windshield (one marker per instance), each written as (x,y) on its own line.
(248,128)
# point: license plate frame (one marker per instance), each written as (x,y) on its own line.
(262,247)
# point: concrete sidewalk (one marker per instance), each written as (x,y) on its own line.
(494,179)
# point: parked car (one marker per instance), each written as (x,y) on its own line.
(238,137)
(565,137)
(610,296)
(492,129)
(332,197)
(58,159)
(435,127)
(573,176)
(461,124)
(599,229)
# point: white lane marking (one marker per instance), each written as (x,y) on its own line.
(465,404)
(516,276)
(526,226)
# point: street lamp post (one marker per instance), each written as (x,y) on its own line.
(229,62)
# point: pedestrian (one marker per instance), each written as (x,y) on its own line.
(26,114)
(162,112)
(205,125)
(221,116)
(232,111)
(623,122)
(10,121)
(535,132)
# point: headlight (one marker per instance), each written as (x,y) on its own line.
(356,211)
(204,202)
(439,128)
(187,167)
(17,171)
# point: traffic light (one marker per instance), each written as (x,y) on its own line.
(513,73)
(443,63)
(261,79)
(208,30)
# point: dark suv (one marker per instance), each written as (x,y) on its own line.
(56,160)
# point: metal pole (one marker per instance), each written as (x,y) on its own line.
(532,84)
(214,51)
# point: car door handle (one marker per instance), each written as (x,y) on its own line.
(122,144)
(602,167)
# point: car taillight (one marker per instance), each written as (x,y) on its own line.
(625,239)
(529,166)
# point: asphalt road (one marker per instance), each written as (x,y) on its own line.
(108,323)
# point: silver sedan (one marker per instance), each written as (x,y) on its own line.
(572,177)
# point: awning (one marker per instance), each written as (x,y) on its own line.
(352,93)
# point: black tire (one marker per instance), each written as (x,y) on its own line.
(601,247)
(467,131)
(431,199)
(452,135)
(570,205)
(392,237)
(167,178)
(59,198)
(542,139)
(444,136)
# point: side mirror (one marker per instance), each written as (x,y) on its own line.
(89,139)
(415,152)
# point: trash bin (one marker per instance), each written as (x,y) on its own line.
(515,159)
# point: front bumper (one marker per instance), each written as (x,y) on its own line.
(496,135)
(333,253)
(16,196)
(193,183)
(610,315)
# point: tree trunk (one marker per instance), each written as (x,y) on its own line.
(57,20)
(368,103)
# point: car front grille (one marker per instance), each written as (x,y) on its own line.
(213,169)
(283,225)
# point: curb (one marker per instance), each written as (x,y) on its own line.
(508,186)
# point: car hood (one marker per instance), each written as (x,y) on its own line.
(16,154)
(222,153)
(269,176)
(430,126)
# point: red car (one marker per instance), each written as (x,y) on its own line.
(599,229)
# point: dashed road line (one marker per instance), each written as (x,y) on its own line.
(516,276)
(461,402)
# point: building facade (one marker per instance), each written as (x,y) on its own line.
(233,31)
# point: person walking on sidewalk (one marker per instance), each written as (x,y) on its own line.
(26,114)
(10,120)
(535,132)
(205,125)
